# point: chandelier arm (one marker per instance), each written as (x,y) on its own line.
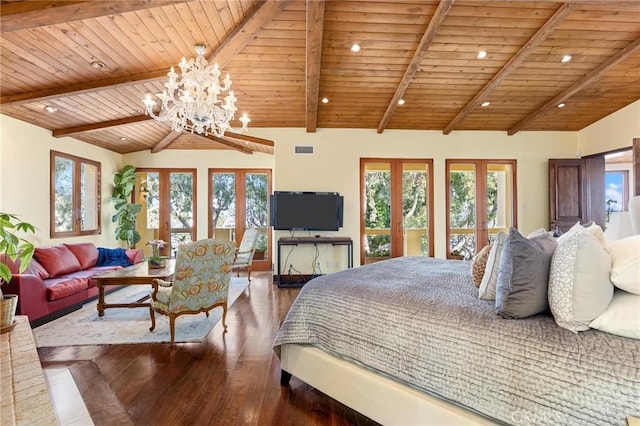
(190,101)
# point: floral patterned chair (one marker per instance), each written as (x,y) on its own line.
(201,282)
(244,255)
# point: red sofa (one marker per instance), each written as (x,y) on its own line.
(58,280)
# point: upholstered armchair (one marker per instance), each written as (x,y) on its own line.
(245,252)
(200,282)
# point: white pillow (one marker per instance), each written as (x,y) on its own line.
(622,317)
(579,284)
(596,230)
(487,289)
(625,268)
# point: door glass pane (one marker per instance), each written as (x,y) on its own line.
(462,213)
(415,209)
(180,209)
(257,210)
(499,199)
(88,197)
(148,196)
(224,206)
(377,215)
(63,193)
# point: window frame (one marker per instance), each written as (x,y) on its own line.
(76,196)
(481,231)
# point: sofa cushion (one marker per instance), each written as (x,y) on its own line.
(57,288)
(86,253)
(135,255)
(57,260)
(34,267)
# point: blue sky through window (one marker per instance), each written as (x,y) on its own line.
(614,189)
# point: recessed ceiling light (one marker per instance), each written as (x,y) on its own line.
(50,109)
(400,101)
(123,138)
(561,105)
(482,54)
(565,59)
(485,104)
(355,48)
(325,100)
(98,64)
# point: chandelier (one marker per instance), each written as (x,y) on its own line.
(190,101)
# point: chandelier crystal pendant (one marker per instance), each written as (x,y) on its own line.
(190,100)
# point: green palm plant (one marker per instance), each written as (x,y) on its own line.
(12,246)
(124,183)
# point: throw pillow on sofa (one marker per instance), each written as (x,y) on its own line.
(86,253)
(57,260)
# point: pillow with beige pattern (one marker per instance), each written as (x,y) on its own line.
(479,264)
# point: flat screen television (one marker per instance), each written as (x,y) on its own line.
(308,211)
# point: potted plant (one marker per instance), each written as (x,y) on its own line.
(124,182)
(155,261)
(16,249)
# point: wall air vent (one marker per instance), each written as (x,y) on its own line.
(300,149)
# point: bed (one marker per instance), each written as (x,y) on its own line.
(407,341)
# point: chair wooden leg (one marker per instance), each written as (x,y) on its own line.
(172,326)
(152,314)
(249,274)
(224,316)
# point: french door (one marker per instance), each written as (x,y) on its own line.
(239,200)
(481,201)
(168,210)
(396,208)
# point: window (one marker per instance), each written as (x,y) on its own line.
(75,196)
(397,208)
(481,201)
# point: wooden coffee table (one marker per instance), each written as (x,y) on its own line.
(138,274)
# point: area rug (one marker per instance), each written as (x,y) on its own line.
(128,325)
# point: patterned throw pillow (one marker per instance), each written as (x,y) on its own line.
(478,264)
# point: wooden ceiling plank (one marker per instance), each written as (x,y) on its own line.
(56,12)
(315,26)
(517,59)
(434,24)
(631,49)
(85,128)
(223,54)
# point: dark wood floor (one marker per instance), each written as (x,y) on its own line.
(228,379)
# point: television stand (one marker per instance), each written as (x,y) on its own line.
(300,280)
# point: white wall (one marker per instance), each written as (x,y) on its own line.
(612,132)
(24,172)
(335,166)
(24,177)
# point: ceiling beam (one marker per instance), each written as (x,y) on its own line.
(315,29)
(235,41)
(247,138)
(428,36)
(230,144)
(87,128)
(165,142)
(515,61)
(25,15)
(628,50)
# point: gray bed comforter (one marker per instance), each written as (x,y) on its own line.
(419,321)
